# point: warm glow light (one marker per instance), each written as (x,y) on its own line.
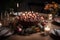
(17,4)
(23,14)
(42,17)
(53,5)
(0,24)
(47,28)
(20,29)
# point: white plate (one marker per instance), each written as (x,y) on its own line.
(53,32)
(57,20)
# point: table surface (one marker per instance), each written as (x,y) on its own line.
(35,36)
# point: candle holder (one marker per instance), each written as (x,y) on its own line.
(50,16)
(46,30)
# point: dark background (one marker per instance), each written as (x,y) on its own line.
(24,5)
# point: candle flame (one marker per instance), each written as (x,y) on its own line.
(47,28)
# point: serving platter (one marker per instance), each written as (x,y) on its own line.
(57,19)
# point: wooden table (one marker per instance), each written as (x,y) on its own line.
(35,36)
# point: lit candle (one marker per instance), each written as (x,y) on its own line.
(17,4)
(0,24)
(47,29)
